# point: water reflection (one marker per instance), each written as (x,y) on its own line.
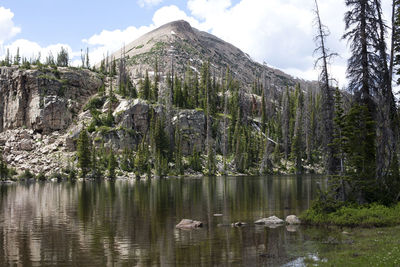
(133,222)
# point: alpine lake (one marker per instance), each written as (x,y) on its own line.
(132,223)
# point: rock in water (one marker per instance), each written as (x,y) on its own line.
(238,224)
(292,219)
(269,220)
(189,224)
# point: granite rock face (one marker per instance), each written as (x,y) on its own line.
(43,100)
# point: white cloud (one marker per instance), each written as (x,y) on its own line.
(149,3)
(7,27)
(171,13)
(32,50)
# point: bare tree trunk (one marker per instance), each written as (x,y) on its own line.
(386,144)
(328,105)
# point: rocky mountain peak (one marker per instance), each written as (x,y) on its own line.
(191,47)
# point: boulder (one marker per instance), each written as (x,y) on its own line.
(26,144)
(189,224)
(292,219)
(269,220)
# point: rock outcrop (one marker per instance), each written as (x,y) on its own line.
(292,219)
(189,224)
(43,100)
(270,221)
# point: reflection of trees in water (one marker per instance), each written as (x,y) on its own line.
(133,222)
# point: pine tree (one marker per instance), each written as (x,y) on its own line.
(297,142)
(83,152)
(145,87)
(126,162)
(360,153)
(154,91)
(4,171)
(87,58)
(113,70)
(17,58)
(62,58)
(339,140)
(285,122)
(142,157)
(263,115)
(195,161)
(112,165)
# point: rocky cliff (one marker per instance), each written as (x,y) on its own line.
(43,100)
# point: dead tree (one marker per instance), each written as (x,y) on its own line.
(327,94)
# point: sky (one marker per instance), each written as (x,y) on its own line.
(276,32)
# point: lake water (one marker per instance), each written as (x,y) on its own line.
(132,223)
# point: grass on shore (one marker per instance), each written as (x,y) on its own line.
(360,247)
(373,215)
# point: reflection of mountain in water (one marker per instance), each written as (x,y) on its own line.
(133,223)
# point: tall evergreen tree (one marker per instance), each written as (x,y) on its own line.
(83,152)
(112,164)
(297,143)
(286,122)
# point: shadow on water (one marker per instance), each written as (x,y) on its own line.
(133,222)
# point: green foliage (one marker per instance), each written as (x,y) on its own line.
(195,161)
(211,166)
(127,161)
(84,153)
(145,87)
(142,157)
(297,140)
(26,175)
(339,137)
(4,171)
(161,141)
(94,103)
(112,164)
(371,215)
(360,135)
(41,177)
(161,165)
(62,58)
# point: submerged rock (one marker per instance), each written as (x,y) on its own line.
(238,224)
(188,224)
(292,219)
(269,220)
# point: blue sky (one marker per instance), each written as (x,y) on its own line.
(70,21)
(278,32)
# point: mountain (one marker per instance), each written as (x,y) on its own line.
(186,45)
(162,129)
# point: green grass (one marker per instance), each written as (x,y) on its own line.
(373,215)
(361,247)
